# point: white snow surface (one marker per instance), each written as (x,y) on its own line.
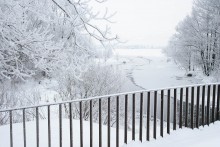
(43,134)
(203,137)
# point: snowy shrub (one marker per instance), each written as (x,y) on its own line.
(96,81)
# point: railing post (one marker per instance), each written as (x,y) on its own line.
(161,113)
(24,127)
(60,125)
(174,109)
(133,117)
(148,116)
(155,115)
(109,121)
(141,117)
(126,120)
(208,105)
(91,123)
(213,103)
(168,111)
(11,128)
(117,121)
(186,115)
(71,124)
(197,107)
(81,124)
(181,108)
(48,125)
(192,108)
(37,127)
(100,123)
(203,106)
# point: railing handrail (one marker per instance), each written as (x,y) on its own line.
(106,96)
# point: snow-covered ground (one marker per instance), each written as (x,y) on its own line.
(31,134)
(203,137)
(43,134)
(151,69)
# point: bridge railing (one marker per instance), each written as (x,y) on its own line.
(142,114)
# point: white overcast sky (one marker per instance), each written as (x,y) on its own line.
(147,22)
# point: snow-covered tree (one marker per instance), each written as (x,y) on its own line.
(197,39)
(47,36)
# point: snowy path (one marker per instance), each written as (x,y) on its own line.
(203,137)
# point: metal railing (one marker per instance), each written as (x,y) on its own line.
(190,106)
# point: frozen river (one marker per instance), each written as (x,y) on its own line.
(151,69)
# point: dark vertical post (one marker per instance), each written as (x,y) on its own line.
(206,114)
(37,127)
(48,126)
(187,101)
(117,121)
(197,107)
(71,124)
(155,114)
(11,128)
(91,124)
(148,116)
(100,123)
(213,103)
(208,105)
(126,120)
(161,113)
(218,99)
(192,107)
(109,122)
(24,127)
(60,125)
(141,117)
(181,108)
(81,124)
(203,105)
(168,111)
(133,117)
(174,109)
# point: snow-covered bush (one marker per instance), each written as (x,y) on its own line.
(97,80)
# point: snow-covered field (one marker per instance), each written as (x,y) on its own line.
(151,69)
(203,137)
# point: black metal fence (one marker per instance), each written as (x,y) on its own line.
(190,106)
